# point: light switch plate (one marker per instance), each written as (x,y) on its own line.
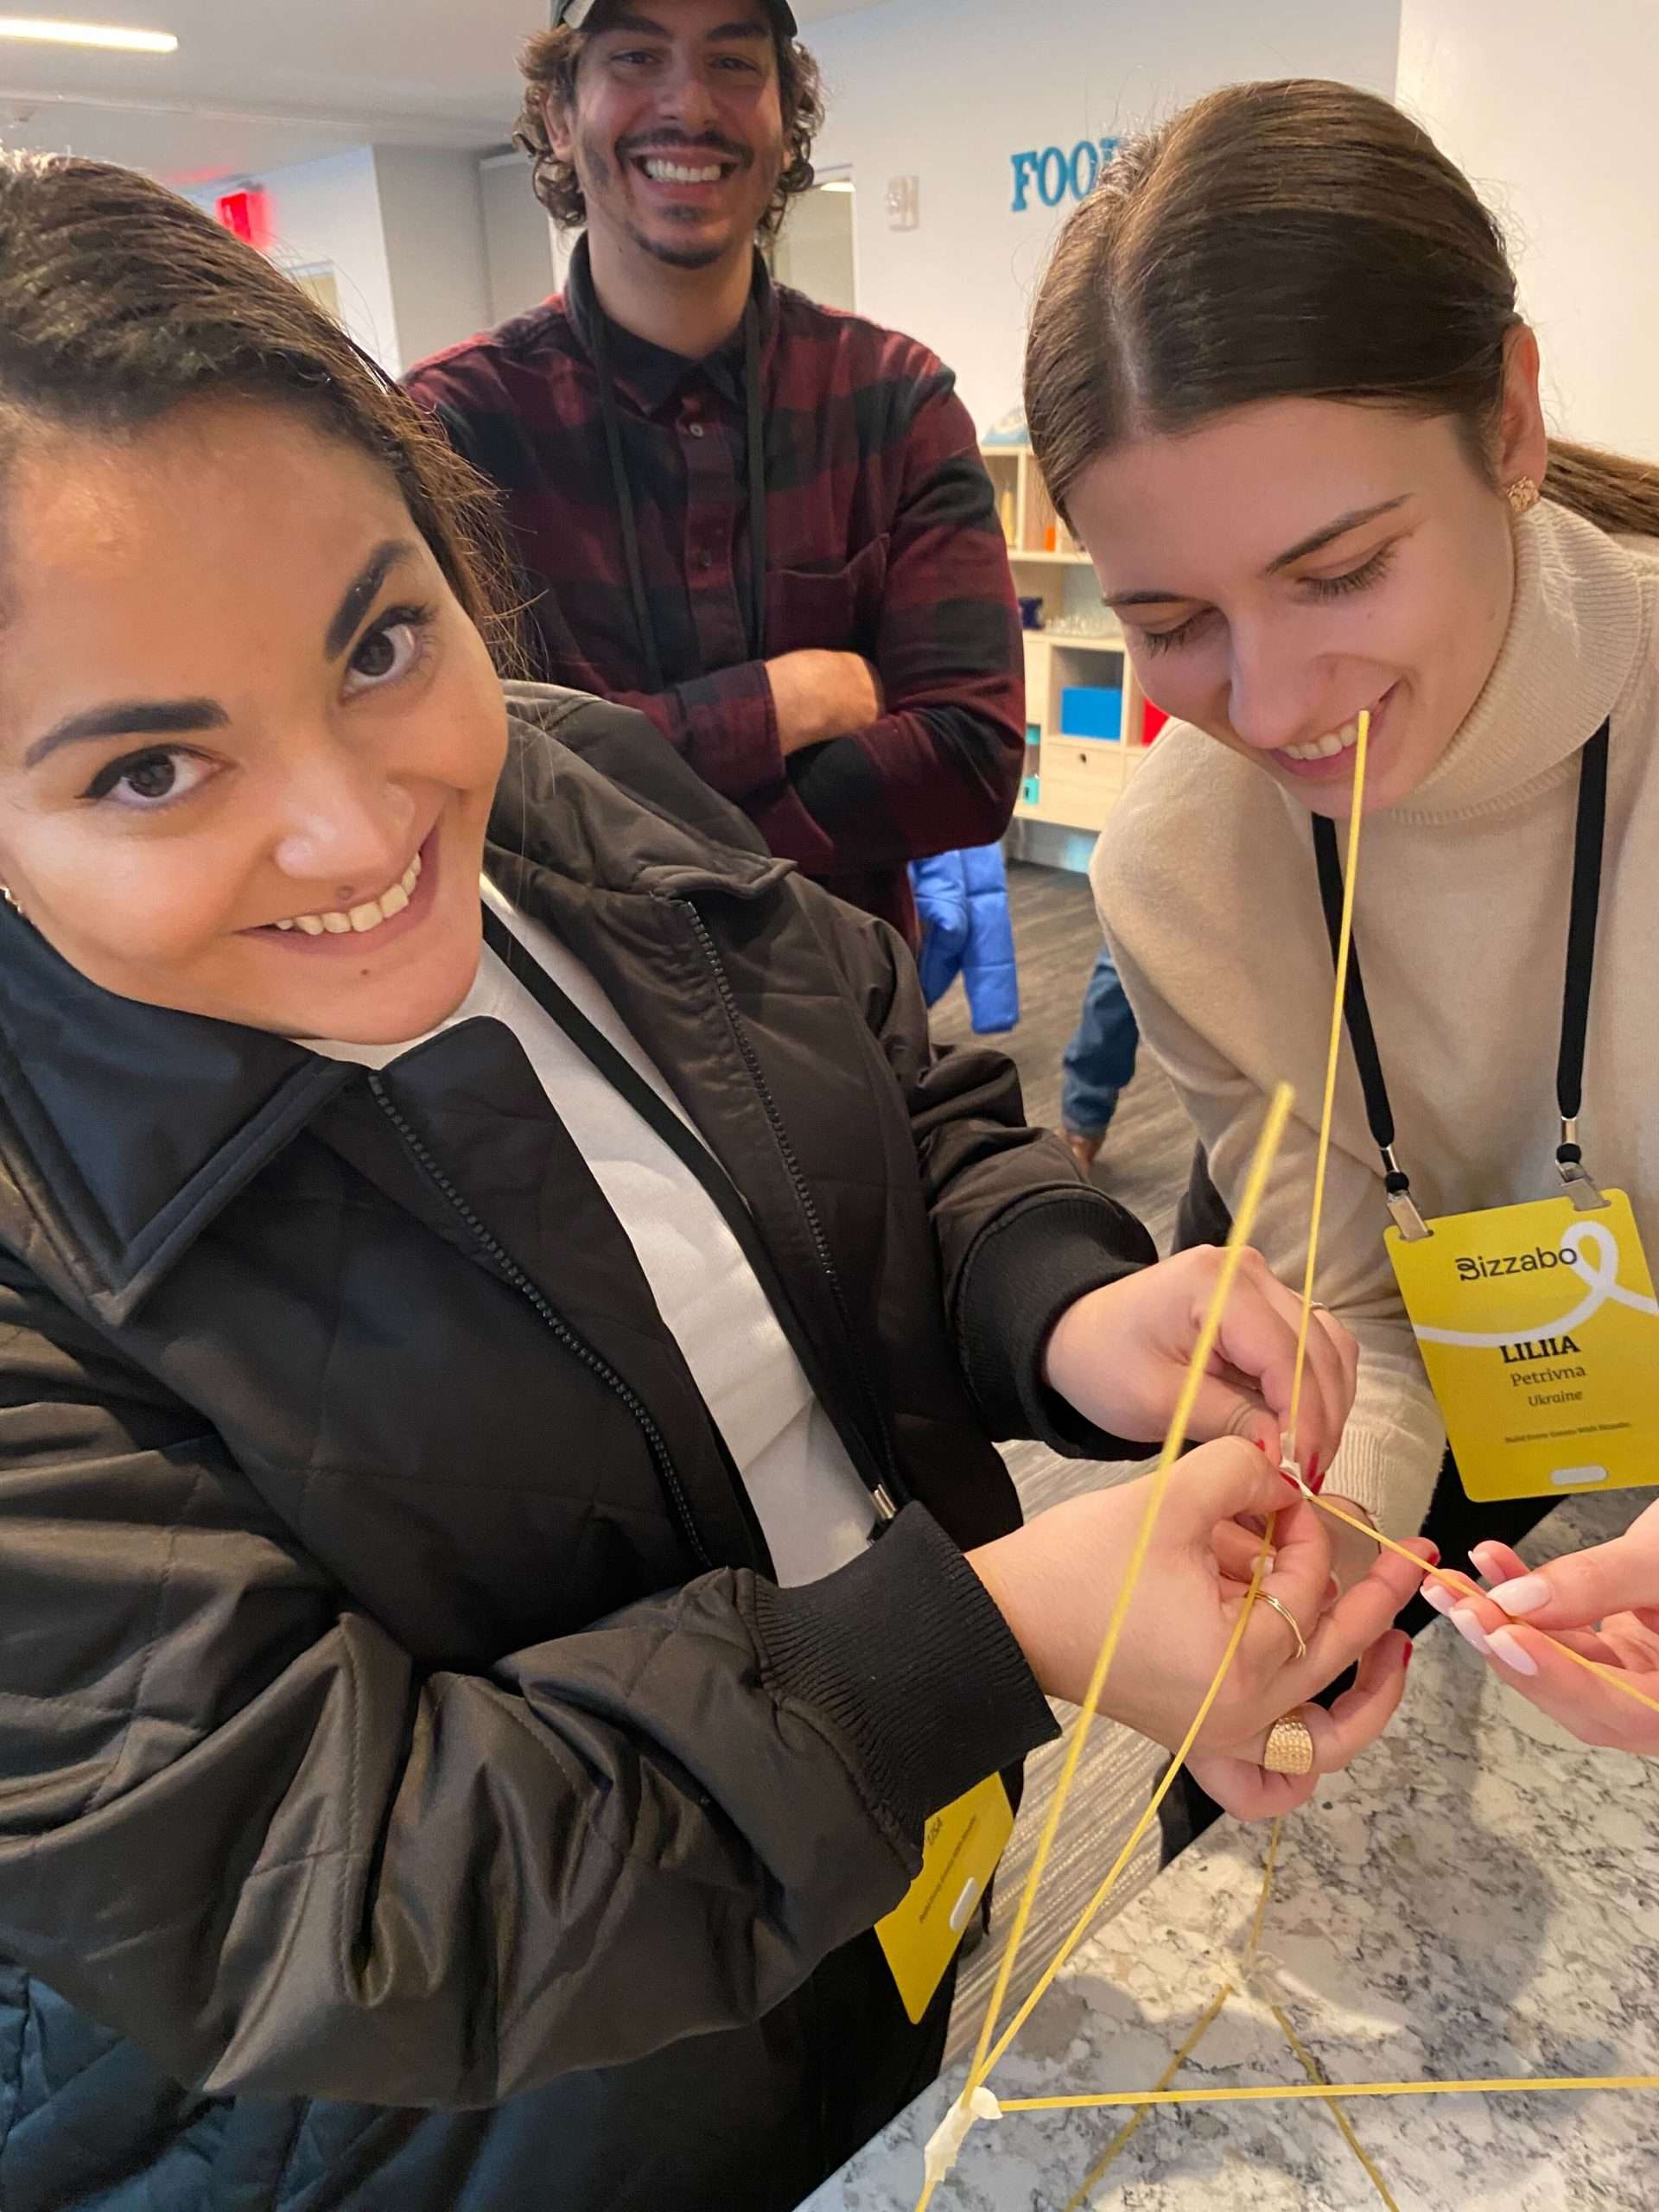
(904,203)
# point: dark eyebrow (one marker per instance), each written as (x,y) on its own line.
(130,718)
(1145,598)
(189,717)
(364,591)
(1315,542)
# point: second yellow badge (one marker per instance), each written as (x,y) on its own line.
(1539,1332)
(959,1856)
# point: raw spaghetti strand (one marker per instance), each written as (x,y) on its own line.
(1086,1919)
(1310,2064)
(1266,1152)
(1275,1835)
(1333,1062)
(1126,2134)
(1461,1587)
(1311,2093)
(1316,2073)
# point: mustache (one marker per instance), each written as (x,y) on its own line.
(632,149)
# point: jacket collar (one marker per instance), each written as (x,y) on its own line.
(125,1129)
(654,376)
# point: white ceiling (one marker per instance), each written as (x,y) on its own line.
(256,83)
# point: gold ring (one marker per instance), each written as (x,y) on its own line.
(1267,1598)
(1290,1745)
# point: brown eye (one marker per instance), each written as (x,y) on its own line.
(153,777)
(396,645)
(375,657)
(149,781)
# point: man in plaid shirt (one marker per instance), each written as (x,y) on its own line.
(765,525)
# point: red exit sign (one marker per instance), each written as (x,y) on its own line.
(247,215)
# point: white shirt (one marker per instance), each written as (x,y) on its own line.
(814,1510)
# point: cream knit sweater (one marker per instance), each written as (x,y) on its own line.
(1205,884)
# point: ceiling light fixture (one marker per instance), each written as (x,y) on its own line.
(113,38)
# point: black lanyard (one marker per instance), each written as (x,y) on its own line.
(626,513)
(1587,846)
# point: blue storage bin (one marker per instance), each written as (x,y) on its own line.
(1091,710)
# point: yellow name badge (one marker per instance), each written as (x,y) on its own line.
(959,1856)
(1540,1332)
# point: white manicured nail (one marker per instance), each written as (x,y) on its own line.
(1528,1593)
(1437,1594)
(1506,1646)
(1470,1629)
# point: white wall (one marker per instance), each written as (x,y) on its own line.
(948,90)
(1553,115)
(432,212)
(517,236)
(329,210)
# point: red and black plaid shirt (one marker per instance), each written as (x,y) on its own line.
(882,539)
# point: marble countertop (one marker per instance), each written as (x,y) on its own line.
(1477,1897)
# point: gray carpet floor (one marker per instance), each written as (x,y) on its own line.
(1144,1163)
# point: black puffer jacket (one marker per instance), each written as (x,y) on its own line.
(413,1793)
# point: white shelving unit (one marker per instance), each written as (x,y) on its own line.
(1071,783)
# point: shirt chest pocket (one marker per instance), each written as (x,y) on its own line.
(834,609)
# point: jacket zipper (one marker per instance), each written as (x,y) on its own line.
(553,1320)
(882,1494)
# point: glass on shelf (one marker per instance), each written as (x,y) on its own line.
(1089,628)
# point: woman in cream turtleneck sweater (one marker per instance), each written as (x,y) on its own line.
(1279,387)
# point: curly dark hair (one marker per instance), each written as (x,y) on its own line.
(549,63)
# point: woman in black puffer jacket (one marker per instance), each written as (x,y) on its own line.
(457,1733)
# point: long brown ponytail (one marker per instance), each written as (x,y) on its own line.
(119,300)
(1297,239)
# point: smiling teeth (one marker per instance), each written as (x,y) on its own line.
(673,172)
(1325,748)
(359,920)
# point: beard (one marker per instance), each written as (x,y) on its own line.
(676,257)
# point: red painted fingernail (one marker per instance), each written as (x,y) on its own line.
(1408,1654)
(1315,1479)
(1434,1554)
(1259,1446)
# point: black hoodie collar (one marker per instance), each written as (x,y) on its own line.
(654,375)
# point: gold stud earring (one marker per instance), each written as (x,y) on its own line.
(1523,496)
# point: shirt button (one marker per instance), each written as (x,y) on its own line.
(695,429)
(705,560)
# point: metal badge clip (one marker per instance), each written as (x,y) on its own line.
(1582,1186)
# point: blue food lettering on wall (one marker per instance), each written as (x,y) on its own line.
(1055,175)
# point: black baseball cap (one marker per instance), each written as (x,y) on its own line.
(576,12)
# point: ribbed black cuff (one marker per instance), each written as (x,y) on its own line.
(1030,1266)
(904,1653)
(837,782)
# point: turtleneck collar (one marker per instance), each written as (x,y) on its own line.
(1573,646)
